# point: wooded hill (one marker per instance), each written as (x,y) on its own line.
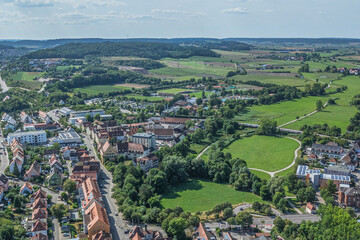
(134,49)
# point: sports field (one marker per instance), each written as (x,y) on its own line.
(173,90)
(198,195)
(264,152)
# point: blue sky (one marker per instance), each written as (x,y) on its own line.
(44,19)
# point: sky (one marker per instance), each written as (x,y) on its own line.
(50,19)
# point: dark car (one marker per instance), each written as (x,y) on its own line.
(126,231)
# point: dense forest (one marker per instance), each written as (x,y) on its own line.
(134,49)
(147,64)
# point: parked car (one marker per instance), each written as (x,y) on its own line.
(116,214)
(66,234)
(126,231)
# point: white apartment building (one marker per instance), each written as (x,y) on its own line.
(31,137)
(146,139)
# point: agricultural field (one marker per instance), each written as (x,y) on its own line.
(96,89)
(183,69)
(198,195)
(27,78)
(273,79)
(173,90)
(338,114)
(282,112)
(264,152)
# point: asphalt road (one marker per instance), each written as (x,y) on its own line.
(117,224)
(4,160)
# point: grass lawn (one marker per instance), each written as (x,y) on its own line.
(283,173)
(264,152)
(279,80)
(27,78)
(261,175)
(173,90)
(339,114)
(95,89)
(198,195)
(282,112)
(60,68)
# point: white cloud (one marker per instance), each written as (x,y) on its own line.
(34,3)
(237,10)
(175,11)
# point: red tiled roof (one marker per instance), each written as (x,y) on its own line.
(131,147)
(39,236)
(39,226)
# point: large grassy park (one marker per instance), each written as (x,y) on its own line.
(264,152)
(27,79)
(198,195)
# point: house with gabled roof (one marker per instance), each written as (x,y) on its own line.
(203,233)
(55,177)
(26,189)
(34,171)
(39,194)
(132,150)
(39,236)
(39,227)
(18,163)
(108,151)
(40,214)
(96,220)
(102,235)
(147,162)
(139,233)
(39,203)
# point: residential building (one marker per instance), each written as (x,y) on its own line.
(131,150)
(310,208)
(331,149)
(65,111)
(170,120)
(146,139)
(33,172)
(25,118)
(39,194)
(350,160)
(33,137)
(203,233)
(146,163)
(102,236)
(39,227)
(349,197)
(39,214)
(139,233)
(39,203)
(89,192)
(108,151)
(39,236)
(55,177)
(96,220)
(92,113)
(26,189)
(18,163)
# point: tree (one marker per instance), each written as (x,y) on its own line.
(176,228)
(256,206)
(88,118)
(310,194)
(268,127)
(64,196)
(281,205)
(174,168)
(264,193)
(244,218)
(17,202)
(228,212)
(58,210)
(319,105)
(300,195)
(16,171)
(97,116)
(331,186)
(69,186)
